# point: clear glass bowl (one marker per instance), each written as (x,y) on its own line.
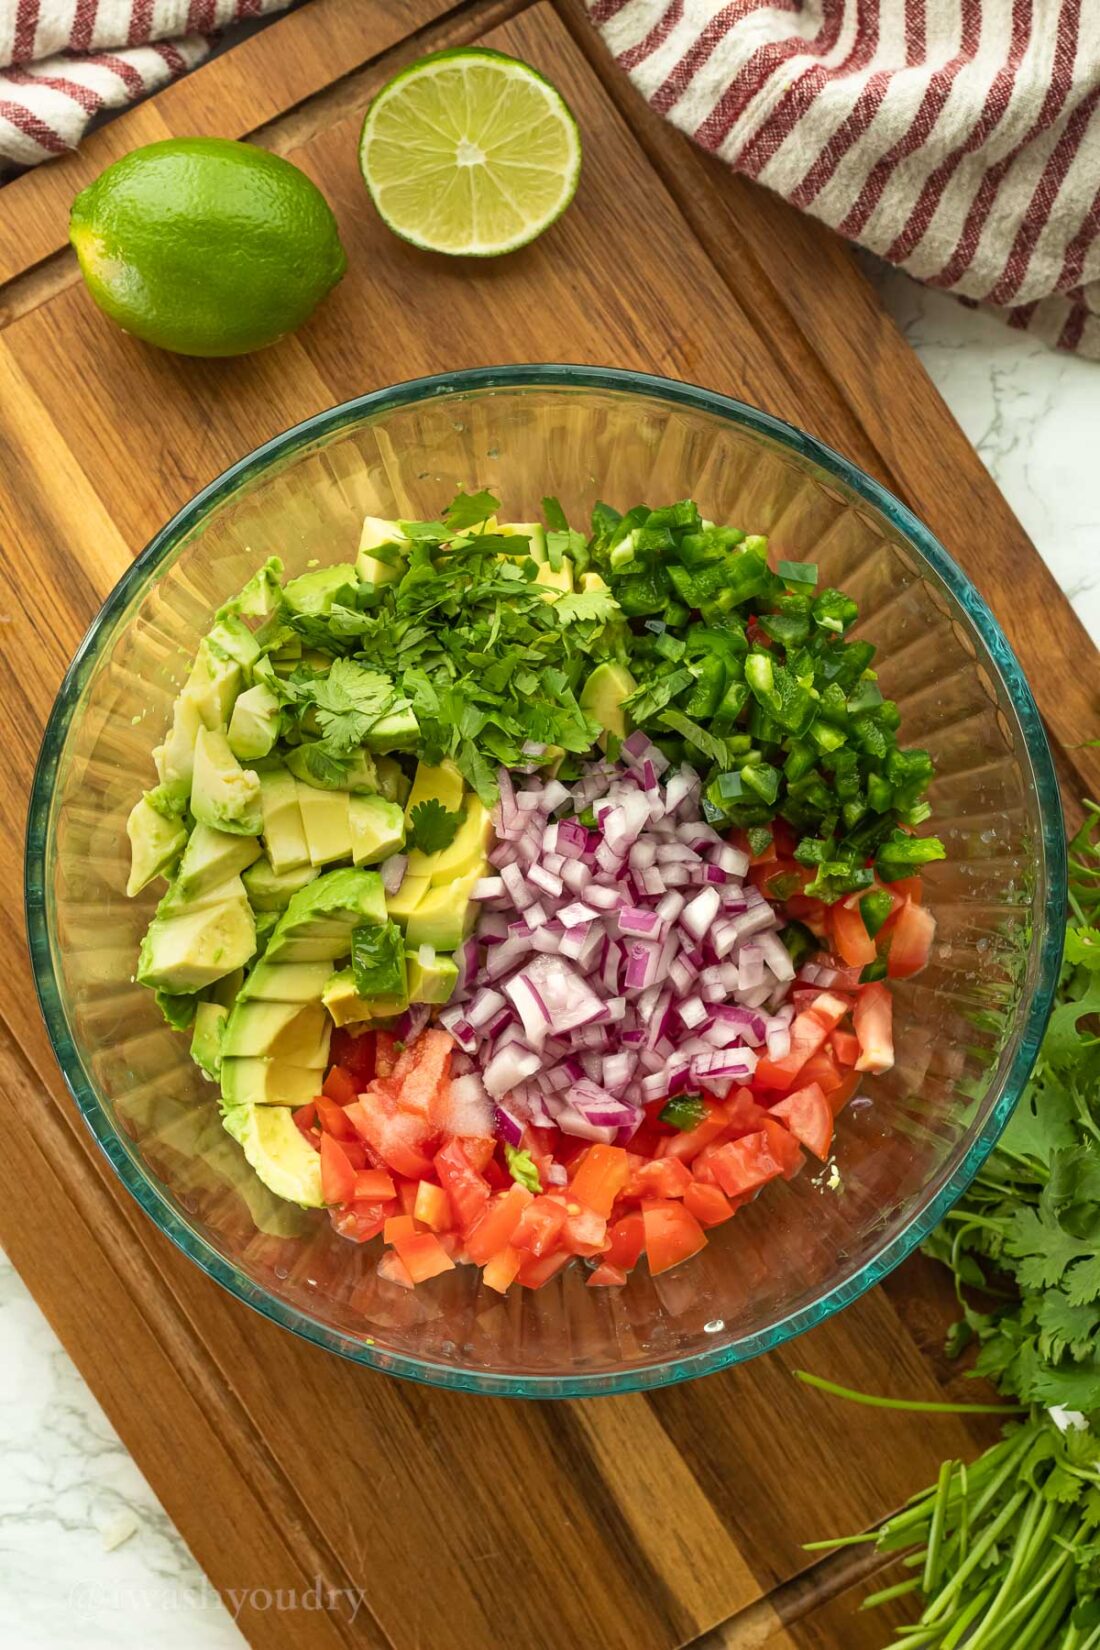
(968,1027)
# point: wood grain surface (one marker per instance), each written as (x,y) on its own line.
(643,1522)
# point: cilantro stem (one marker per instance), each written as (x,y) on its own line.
(1022,1552)
(967,1616)
(916,1406)
(935,1534)
(886,1594)
(1007,1513)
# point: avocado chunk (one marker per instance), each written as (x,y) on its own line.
(382,551)
(317,924)
(210,859)
(271,890)
(444,917)
(261,596)
(283,832)
(558,583)
(466,853)
(603,694)
(314,593)
(346,1007)
(443,785)
(358,774)
(277,982)
(377,829)
(236,640)
(533,531)
(397,731)
(193,949)
(279,1153)
(297,1033)
(175,759)
(391,780)
(402,904)
(265,1082)
(155,843)
(325,817)
(265,927)
(432,979)
(206,1039)
(254,724)
(214,683)
(223,794)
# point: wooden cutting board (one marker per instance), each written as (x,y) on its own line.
(642,1522)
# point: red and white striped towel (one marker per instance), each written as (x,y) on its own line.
(63,61)
(959,139)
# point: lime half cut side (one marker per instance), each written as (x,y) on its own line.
(470,152)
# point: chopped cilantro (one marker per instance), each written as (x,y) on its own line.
(521,1167)
(469,510)
(433,828)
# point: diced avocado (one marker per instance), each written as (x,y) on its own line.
(387,537)
(254,724)
(176,901)
(155,843)
(534,531)
(175,759)
(283,832)
(347,1007)
(260,1082)
(443,785)
(278,1151)
(270,890)
(466,853)
(559,583)
(223,794)
(325,817)
(402,904)
(432,978)
(260,596)
(214,683)
(392,783)
(444,917)
(377,829)
(317,923)
(602,696)
(315,592)
(277,982)
(210,859)
(233,636)
(591,583)
(171,800)
(206,1039)
(295,1032)
(357,774)
(195,948)
(178,1008)
(265,927)
(398,731)
(225,990)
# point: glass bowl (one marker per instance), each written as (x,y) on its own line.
(968,1028)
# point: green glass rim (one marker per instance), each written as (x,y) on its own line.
(1000,659)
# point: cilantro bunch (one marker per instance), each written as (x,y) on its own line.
(1007,1549)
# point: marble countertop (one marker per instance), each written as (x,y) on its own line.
(86,1552)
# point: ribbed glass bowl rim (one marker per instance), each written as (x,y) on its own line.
(519,377)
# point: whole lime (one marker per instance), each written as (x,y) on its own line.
(206,247)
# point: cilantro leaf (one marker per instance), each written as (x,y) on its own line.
(349,700)
(706,742)
(521,1167)
(433,828)
(589,607)
(469,510)
(554,515)
(1083,947)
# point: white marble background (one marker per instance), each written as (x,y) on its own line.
(86,1553)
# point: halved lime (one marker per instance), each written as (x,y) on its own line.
(470,152)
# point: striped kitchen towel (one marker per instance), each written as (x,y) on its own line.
(62,62)
(959,139)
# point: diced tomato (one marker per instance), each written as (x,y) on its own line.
(808,1033)
(466,1188)
(406,1197)
(672,1234)
(821,1068)
(540,1225)
(709,1204)
(393,1269)
(537,1270)
(374,1186)
(479,1151)
(743,1114)
(784,1148)
(849,1085)
(496,1223)
(432,1206)
(872,1017)
(500,1271)
(662,1177)
(845,1046)
(397,1136)
(330,1115)
(359,1221)
(354,1052)
(600,1176)
(646,1141)
(337,1174)
(340,1086)
(385,1053)
(305,1121)
(496,1175)
(849,935)
(909,941)
(740,1166)
(686,1144)
(909,888)
(606,1276)
(809,1117)
(396,1226)
(421,1252)
(626,1240)
(422,1069)
(584,1231)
